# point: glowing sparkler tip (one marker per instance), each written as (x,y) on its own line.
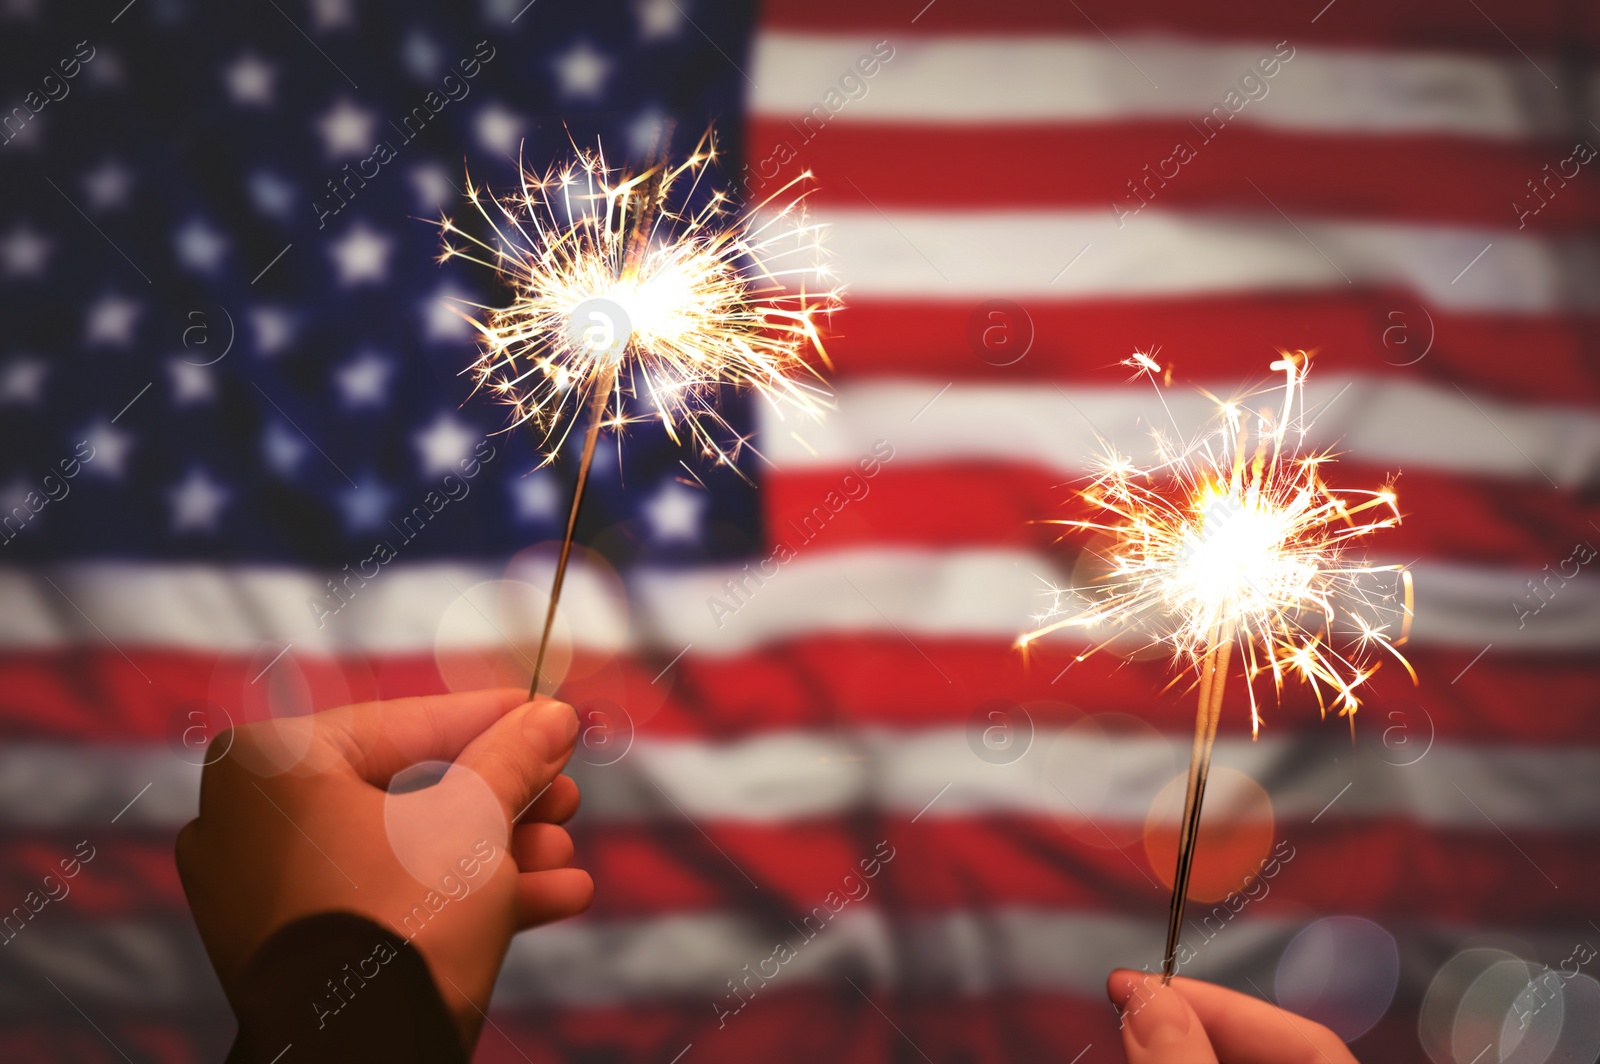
(626,283)
(1236,536)
(1141,361)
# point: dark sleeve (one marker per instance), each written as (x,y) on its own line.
(337,987)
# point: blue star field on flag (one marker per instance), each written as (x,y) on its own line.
(221,281)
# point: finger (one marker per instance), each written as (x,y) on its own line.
(520,754)
(1158,1026)
(541,847)
(1251,1031)
(556,805)
(183,849)
(543,897)
(382,738)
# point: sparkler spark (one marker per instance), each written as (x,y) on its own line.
(623,287)
(620,286)
(1238,532)
(1235,538)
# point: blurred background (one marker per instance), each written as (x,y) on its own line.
(227,374)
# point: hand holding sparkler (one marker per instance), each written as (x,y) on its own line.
(621,287)
(1235,538)
(1190,1022)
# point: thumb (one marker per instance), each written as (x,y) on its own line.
(522,752)
(1158,1026)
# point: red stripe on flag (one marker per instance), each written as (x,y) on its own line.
(1227,337)
(1120,168)
(942,864)
(991,1023)
(830,682)
(803,1024)
(785,1025)
(1503,28)
(1446,518)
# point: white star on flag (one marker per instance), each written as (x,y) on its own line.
(443,444)
(673,513)
(439,321)
(105,72)
(199,247)
(283,449)
(274,329)
(251,80)
(420,55)
(503,10)
(658,18)
(22,381)
(581,72)
(270,193)
(14,497)
(535,497)
(191,383)
(366,506)
(347,131)
(645,133)
(498,128)
(361,255)
(24,251)
(331,14)
(111,320)
(432,185)
(28,136)
(197,502)
(365,380)
(106,186)
(108,448)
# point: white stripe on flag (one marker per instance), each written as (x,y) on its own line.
(799,776)
(1379,421)
(926,254)
(988,594)
(994,79)
(694,955)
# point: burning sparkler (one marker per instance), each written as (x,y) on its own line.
(623,287)
(1235,538)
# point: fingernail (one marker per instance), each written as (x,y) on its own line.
(1121,985)
(1154,1014)
(556,723)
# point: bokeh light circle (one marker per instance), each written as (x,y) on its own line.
(1463,1012)
(1342,972)
(999,731)
(1237,825)
(193,731)
(431,834)
(593,619)
(1403,732)
(488,636)
(1578,1041)
(1099,773)
(254,681)
(1532,1025)
(1495,1005)
(605,732)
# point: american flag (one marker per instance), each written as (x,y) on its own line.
(831,813)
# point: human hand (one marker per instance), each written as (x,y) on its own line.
(295,820)
(1191,1022)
